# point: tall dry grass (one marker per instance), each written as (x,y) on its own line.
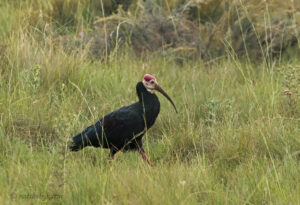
(234,141)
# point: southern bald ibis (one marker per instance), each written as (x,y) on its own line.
(124,128)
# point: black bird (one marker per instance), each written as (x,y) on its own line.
(124,128)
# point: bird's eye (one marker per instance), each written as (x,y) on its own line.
(152,82)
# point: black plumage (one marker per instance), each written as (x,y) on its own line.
(123,128)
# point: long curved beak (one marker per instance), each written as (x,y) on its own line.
(159,89)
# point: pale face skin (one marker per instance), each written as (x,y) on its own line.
(150,83)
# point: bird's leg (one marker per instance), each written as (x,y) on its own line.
(139,146)
(112,154)
(111,157)
(142,152)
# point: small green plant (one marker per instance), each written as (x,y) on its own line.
(31,78)
(291,87)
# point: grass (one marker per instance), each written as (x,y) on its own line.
(234,141)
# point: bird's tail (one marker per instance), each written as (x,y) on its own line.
(88,137)
(78,142)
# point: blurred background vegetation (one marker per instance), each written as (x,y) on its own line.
(251,29)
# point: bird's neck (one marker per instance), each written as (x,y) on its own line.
(149,102)
(151,107)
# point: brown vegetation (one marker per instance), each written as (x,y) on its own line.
(198,29)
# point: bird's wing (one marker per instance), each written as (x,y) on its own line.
(123,124)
